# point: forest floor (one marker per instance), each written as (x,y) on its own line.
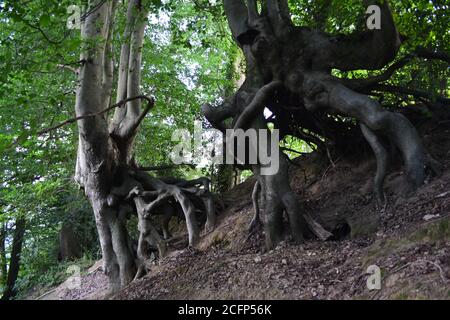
(411,245)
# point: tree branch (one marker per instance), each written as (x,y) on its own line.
(369,50)
(292,150)
(358,84)
(69,66)
(150,100)
(257,105)
(217,115)
(420,52)
(278,13)
(252,10)
(412,92)
(433,54)
(237,15)
(130,130)
(165,167)
(161,199)
(44,34)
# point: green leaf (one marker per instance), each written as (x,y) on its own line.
(44,21)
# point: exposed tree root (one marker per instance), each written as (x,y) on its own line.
(256,195)
(289,68)
(382,157)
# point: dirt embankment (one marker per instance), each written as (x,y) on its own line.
(411,245)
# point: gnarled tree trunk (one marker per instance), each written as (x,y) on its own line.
(289,72)
(115,185)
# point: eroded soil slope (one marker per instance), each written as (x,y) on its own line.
(411,244)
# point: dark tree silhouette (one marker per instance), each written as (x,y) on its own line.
(289,72)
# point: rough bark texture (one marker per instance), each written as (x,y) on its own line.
(14,264)
(3,263)
(289,72)
(69,246)
(115,185)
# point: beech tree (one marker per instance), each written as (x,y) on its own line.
(114,183)
(326,78)
(41,69)
(289,71)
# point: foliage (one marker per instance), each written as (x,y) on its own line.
(421,23)
(189,59)
(55,274)
(184,67)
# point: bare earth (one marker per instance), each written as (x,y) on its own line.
(411,246)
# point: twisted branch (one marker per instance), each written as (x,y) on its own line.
(150,100)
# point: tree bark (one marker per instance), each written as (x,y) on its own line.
(3,262)
(106,169)
(14,265)
(289,68)
(69,246)
(98,161)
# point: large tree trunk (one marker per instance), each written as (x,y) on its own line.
(3,263)
(106,151)
(14,265)
(69,246)
(95,167)
(289,68)
(106,169)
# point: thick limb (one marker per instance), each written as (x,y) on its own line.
(279,15)
(120,241)
(160,200)
(256,221)
(148,235)
(216,115)
(369,112)
(382,157)
(189,212)
(370,50)
(257,105)
(238,16)
(201,187)
(177,193)
(208,202)
(273,226)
